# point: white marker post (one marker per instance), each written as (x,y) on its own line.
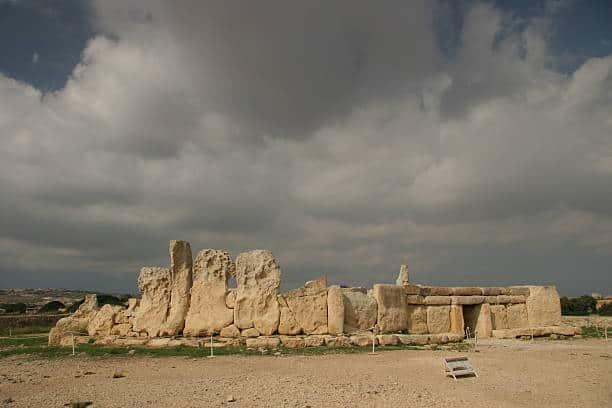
(73,350)
(211,347)
(374,331)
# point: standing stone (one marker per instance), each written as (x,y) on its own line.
(335,310)
(392,316)
(543,306)
(287,325)
(403,278)
(438,319)
(208,311)
(78,322)
(484,325)
(102,321)
(360,310)
(154,285)
(499,318)
(309,306)
(456,319)
(181,278)
(257,278)
(517,316)
(417,319)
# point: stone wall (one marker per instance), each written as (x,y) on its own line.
(192,299)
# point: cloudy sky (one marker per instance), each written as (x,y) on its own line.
(471,140)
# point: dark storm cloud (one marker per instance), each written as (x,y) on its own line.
(347,136)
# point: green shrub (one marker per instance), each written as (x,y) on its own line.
(605,310)
(581,306)
(51,307)
(14,307)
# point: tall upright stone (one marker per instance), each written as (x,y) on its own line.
(543,306)
(456,319)
(258,279)
(309,306)
(154,286)
(335,310)
(208,310)
(181,270)
(392,308)
(360,310)
(403,278)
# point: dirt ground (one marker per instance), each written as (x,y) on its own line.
(513,373)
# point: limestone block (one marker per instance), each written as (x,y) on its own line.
(252,332)
(438,319)
(121,317)
(467,300)
(363,340)
(417,319)
(102,321)
(258,278)
(503,299)
(499,318)
(437,300)
(158,342)
(412,289)
(180,286)
(360,310)
(492,300)
(492,291)
(339,341)
(292,341)
(467,291)
(288,325)
(456,319)
(436,291)
(309,306)
(517,316)
(314,341)
(387,340)
(230,331)
(484,324)
(403,278)
(208,312)
(154,285)
(335,310)
(230,299)
(132,304)
(263,342)
(519,290)
(65,327)
(122,329)
(517,298)
(543,306)
(415,300)
(392,316)
(413,339)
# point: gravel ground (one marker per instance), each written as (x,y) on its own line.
(572,373)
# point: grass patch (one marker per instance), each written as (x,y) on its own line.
(17,331)
(595,332)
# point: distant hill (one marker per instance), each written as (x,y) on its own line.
(35,299)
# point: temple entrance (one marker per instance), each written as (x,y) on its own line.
(470,317)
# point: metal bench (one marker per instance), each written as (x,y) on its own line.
(458,366)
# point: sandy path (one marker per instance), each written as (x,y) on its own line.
(575,373)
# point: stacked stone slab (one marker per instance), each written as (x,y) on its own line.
(192,299)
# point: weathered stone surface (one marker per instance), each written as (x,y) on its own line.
(413,339)
(415,300)
(517,298)
(363,340)
(518,290)
(517,316)
(154,285)
(492,291)
(360,310)
(503,299)
(492,300)
(208,311)
(263,342)
(257,278)
(499,318)
(412,289)
(438,319)
(417,319)
(292,341)
(309,306)
(543,306)
(436,291)
(387,340)
(484,324)
(76,323)
(67,341)
(392,316)
(404,277)
(314,341)
(251,332)
(467,291)
(230,298)
(339,341)
(535,332)
(467,300)
(132,304)
(335,310)
(456,319)
(230,331)
(181,263)
(437,300)
(288,325)
(122,329)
